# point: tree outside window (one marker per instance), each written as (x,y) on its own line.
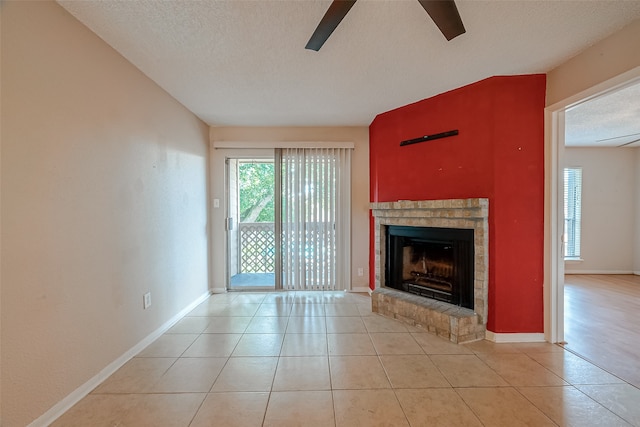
(256,180)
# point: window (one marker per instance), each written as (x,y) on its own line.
(572,212)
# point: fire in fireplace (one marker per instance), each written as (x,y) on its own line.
(435,263)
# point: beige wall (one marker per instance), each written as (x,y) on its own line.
(636,251)
(359,187)
(604,60)
(1,115)
(609,195)
(104,198)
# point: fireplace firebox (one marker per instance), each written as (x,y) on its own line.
(432,262)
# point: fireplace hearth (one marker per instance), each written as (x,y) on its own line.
(433,281)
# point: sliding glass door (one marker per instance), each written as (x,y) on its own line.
(289,220)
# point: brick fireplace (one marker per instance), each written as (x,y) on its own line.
(454,322)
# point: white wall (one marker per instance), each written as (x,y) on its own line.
(104,198)
(359,188)
(609,194)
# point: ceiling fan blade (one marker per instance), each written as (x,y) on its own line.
(337,11)
(445,15)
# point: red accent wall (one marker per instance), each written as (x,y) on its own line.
(499,155)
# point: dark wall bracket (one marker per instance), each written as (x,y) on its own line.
(430,137)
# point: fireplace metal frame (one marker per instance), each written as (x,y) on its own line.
(462,242)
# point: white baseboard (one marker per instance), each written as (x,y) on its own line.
(637,273)
(361,289)
(599,272)
(218,290)
(75,396)
(514,337)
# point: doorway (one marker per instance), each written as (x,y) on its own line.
(555,119)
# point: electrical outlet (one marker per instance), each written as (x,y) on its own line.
(146,300)
(360,271)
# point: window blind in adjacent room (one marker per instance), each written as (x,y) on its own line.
(572,212)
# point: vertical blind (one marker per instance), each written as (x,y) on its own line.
(315,218)
(572,211)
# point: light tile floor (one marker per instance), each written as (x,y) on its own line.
(323,359)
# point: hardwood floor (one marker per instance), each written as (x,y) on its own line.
(602,322)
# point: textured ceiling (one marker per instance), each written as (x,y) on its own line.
(243,63)
(610,120)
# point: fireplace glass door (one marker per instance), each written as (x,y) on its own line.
(435,263)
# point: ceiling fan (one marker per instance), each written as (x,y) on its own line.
(443,12)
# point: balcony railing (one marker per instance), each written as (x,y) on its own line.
(257,247)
